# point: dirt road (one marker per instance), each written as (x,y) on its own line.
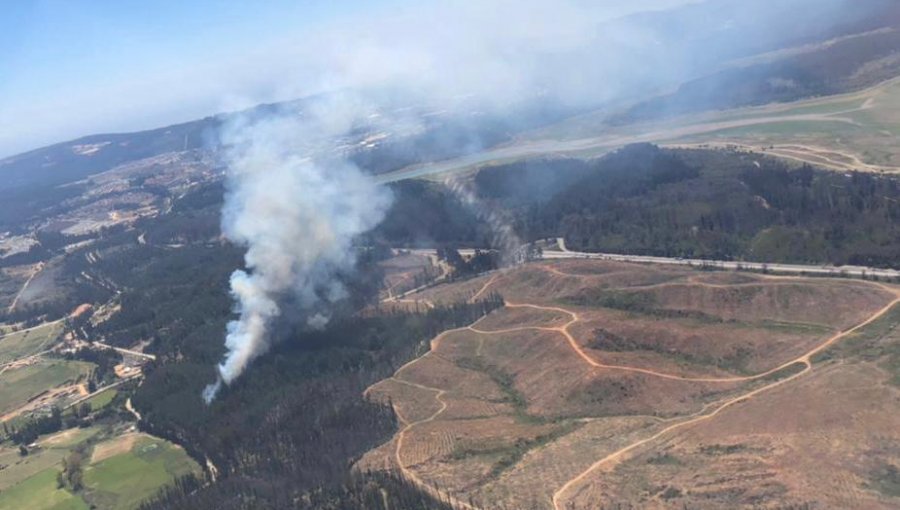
(15,301)
(805,360)
(405,471)
(706,413)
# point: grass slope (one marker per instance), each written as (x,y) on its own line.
(25,343)
(123,481)
(40,493)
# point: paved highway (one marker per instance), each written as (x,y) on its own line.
(798,269)
(854,271)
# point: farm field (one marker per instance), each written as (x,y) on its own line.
(21,384)
(102,399)
(40,492)
(125,470)
(604,382)
(19,344)
(120,470)
(405,272)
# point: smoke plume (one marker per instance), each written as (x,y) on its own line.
(296,206)
(503,235)
(295,201)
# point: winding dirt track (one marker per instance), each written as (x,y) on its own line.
(408,473)
(559,496)
(805,360)
(15,301)
(405,471)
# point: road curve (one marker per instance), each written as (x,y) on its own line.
(805,360)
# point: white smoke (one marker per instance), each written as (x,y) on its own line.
(296,206)
(503,235)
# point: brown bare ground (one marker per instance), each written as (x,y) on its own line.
(815,442)
(118,445)
(545,404)
(698,347)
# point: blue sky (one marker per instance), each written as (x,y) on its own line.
(69,68)
(75,67)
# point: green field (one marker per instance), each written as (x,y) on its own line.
(19,469)
(49,455)
(68,439)
(39,492)
(871,138)
(21,344)
(786,128)
(102,399)
(124,480)
(120,481)
(97,402)
(19,385)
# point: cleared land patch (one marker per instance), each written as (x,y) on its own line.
(819,440)
(589,368)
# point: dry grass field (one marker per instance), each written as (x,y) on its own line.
(853,131)
(606,383)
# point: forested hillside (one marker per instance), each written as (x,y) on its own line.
(287,435)
(677,203)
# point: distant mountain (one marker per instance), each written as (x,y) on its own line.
(699,42)
(859,48)
(70,161)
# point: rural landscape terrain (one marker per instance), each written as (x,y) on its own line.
(685,295)
(603,382)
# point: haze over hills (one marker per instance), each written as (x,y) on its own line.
(646,262)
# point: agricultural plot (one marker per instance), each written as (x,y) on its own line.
(602,382)
(24,384)
(30,481)
(126,470)
(119,471)
(102,399)
(40,492)
(20,344)
(406,272)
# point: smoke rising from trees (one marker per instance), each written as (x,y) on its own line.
(296,201)
(297,207)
